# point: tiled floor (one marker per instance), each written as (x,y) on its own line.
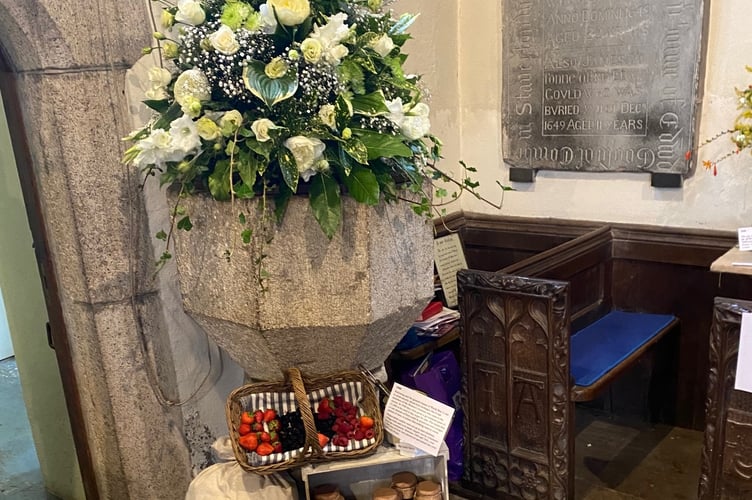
(20,478)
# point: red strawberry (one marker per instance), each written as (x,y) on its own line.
(277,447)
(246,418)
(324,403)
(258,416)
(257,427)
(265,437)
(323,439)
(264,449)
(249,442)
(269,415)
(244,429)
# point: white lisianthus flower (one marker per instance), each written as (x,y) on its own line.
(307,152)
(261,128)
(223,40)
(191,85)
(290,12)
(154,149)
(185,138)
(396,111)
(382,45)
(328,116)
(268,21)
(190,12)
(312,50)
(330,35)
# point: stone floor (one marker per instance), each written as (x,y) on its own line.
(20,478)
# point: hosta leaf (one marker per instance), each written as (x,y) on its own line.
(372,104)
(289,168)
(326,203)
(379,145)
(362,185)
(269,90)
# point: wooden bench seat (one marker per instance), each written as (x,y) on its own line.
(603,350)
(533,343)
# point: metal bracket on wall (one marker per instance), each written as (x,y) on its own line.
(666,180)
(517,174)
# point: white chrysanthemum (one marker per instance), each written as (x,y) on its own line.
(330,35)
(191,84)
(185,138)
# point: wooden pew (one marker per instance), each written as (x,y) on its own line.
(523,372)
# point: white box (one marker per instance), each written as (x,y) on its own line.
(357,478)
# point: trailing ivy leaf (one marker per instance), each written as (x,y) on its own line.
(185,223)
(160,106)
(247,166)
(161,235)
(326,203)
(362,185)
(269,90)
(357,150)
(387,186)
(243,191)
(219,181)
(281,201)
(241,218)
(379,145)
(246,236)
(372,104)
(289,168)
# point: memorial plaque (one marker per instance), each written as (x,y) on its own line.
(600,85)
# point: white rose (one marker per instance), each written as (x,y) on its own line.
(190,12)
(311,49)
(191,83)
(290,12)
(416,123)
(223,40)
(307,151)
(261,128)
(334,55)
(328,116)
(184,133)
(383,45)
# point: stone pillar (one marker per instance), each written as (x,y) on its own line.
(70,59)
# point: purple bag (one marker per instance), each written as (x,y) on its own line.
(441,380)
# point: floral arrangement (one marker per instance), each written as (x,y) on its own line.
(740,133)
(278,97)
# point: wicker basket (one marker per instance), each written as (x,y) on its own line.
(302,386)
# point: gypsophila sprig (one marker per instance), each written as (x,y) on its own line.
(265,97)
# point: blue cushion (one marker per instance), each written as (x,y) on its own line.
(602,345)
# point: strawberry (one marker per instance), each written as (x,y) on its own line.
(257,427)
(265,449)
(246,418)
(269,415)
(324,403)
(366,422)
(249,442)
(265,437)
(244,429)
(258,416)
(323,439)
(277,447)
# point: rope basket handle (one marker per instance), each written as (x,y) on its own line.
(311,439)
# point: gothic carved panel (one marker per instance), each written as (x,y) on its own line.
(515,351)
(726,465)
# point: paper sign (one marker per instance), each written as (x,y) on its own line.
(417,419)
(744,361)
(745,238)
(449,258)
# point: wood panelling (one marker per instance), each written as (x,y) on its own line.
(654,269)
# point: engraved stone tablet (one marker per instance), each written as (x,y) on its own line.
(600,85)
